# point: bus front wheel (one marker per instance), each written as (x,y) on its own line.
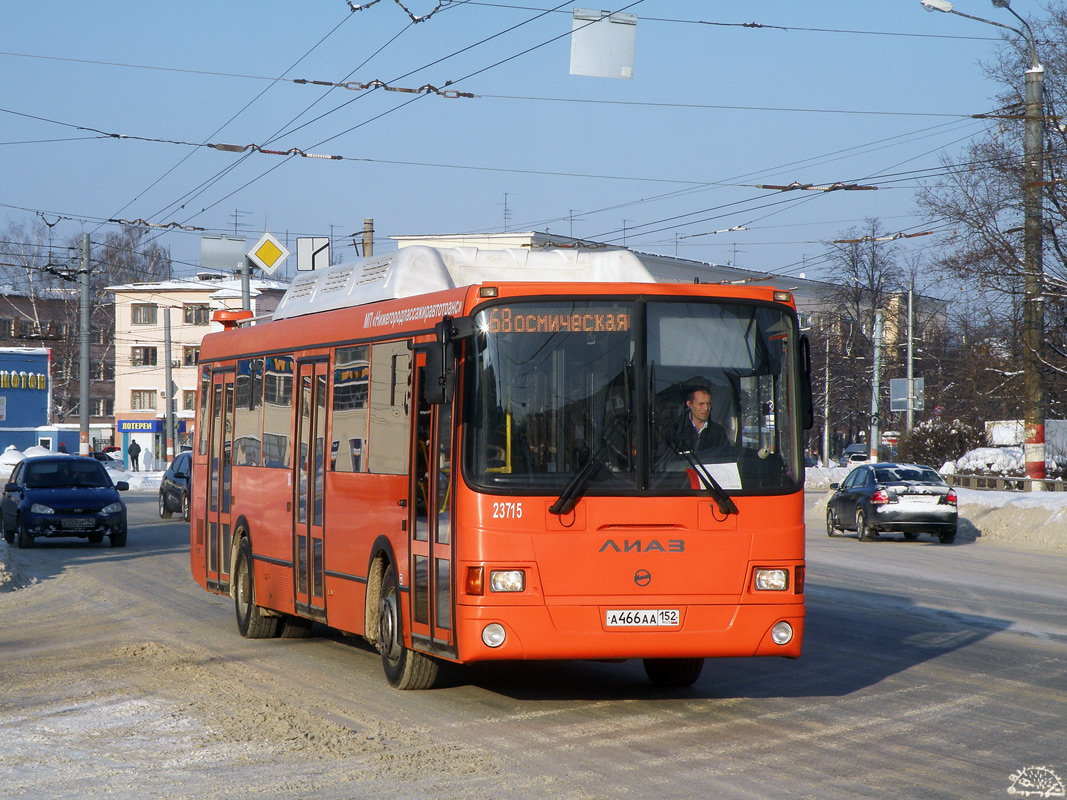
(251,621)
(673,673)
(404,668)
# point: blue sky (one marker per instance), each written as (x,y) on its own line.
(859,92)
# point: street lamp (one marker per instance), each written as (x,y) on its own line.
(1033,305)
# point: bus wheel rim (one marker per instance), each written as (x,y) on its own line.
(388,639)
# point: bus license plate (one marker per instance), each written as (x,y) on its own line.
(642,618)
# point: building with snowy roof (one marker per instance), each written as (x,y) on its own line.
(141,313)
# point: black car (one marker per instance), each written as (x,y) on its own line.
(60,495)
(908,498)
(174,488)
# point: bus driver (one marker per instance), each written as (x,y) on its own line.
(699,432)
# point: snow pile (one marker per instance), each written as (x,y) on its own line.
(1008,461)
(822,477)
(1036,520)
(137,480)
(993,460)
(8,459)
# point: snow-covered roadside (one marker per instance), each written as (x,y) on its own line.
(1035,520)
(138,481)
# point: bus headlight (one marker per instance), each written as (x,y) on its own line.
(782,633)
(507,580)
(772,580)
(493,634)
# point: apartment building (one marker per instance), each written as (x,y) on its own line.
(141,320)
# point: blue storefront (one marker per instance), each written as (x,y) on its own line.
(150,435)
(25,396)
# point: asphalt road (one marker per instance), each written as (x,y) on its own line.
(929,671)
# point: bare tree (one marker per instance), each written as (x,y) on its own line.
(130,255)
(865,268)
(31,271)
(979,199)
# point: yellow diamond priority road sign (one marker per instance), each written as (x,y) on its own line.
(268,253)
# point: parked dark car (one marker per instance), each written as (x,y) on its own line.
(906,498)
(174,487)
(52,496)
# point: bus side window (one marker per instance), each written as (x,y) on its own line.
(351,384)
(277,411)
(248,422)
(390,404)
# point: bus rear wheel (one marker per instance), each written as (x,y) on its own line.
(251,621)
(404,668)
(294,628)
(673,673)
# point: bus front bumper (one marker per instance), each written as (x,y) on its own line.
(618,631)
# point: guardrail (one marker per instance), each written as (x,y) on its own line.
(1002,483)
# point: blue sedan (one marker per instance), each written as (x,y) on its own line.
(60,495)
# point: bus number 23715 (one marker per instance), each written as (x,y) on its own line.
(507,510)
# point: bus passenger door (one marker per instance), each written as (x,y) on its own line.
(430,537)
(220,449)
(308,488)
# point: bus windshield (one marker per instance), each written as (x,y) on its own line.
(600,392)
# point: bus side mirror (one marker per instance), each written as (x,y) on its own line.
(807,405)
(441,359)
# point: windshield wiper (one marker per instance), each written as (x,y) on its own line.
(577,485)
(722,499)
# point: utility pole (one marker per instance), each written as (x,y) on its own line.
(245,269)
(83,340)
(1033,305)
(168,391)
(873,444)
(1033,284)
(911,366)
(368,237)
(826,409)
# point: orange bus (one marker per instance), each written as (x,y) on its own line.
(456,464)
